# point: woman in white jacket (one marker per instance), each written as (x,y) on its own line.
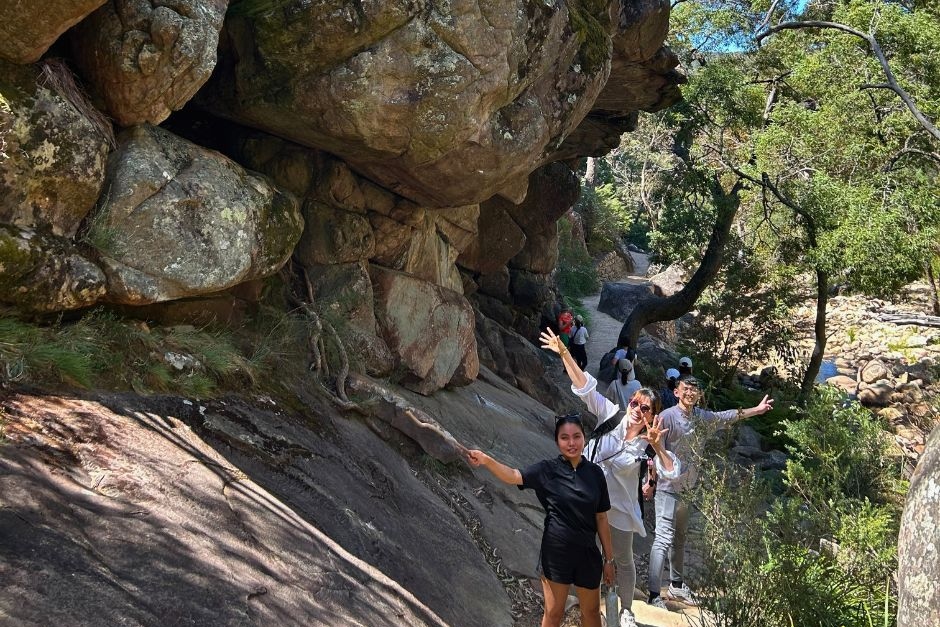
(621,454)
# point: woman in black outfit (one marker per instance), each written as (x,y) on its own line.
(573,492)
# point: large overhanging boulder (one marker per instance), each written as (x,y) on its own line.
(181,220)
(147,59)
(53,149)
(28,27)
(643,77)
(444,103)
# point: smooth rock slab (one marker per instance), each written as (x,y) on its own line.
(125,516)
(181,220)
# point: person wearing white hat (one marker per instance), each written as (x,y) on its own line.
(668,393)
(685,366)
(625,385)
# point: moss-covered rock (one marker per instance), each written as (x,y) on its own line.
(181,220)
(52,153)
(44,273)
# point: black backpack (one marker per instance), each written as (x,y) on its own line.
(607,371)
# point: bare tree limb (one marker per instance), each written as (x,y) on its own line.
(892,83)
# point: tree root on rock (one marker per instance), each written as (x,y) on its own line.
(316,342)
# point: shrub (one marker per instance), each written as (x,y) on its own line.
(103,350)
(823,553)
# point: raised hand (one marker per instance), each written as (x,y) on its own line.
(551,341)
(764,406)
(654,431)
(476,458)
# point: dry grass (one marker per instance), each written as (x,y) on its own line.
(57,76)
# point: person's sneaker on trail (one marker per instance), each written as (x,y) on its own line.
(682,594)
(627,619)
(658,602)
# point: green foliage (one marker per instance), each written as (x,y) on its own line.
(27,350)
(745,316)
(589,22)
(606,217)
(574,274)
(823,552)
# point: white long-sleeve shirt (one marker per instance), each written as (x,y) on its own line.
(620,459)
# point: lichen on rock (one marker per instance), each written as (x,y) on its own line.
(52,165)
(185,221)
(42,273)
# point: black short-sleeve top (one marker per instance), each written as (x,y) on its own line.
(572,497)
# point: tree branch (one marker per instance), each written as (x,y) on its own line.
(892,83)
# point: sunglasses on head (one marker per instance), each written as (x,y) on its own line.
(644,408)
(568,418)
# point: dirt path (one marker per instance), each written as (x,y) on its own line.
(605,329)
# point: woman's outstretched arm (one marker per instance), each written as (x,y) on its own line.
(553,343)
(502,472)
(584,385)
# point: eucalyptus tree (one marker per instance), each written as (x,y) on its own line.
(822,136)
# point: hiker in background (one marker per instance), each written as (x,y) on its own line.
(573,492)
(672,505)
(565,322)
(623,352)
(624,386)
(668,393)
(685,366)
(578,340)
(620,445)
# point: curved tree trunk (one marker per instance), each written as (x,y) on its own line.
(819,334)
(933,288)
(655,309)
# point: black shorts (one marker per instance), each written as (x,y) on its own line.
(582,566)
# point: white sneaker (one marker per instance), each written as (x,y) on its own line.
(682,594)
(627,619)
(658,602)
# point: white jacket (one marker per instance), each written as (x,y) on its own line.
(620,460)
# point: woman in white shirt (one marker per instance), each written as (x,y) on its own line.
(621,454)
(578,341)
(624,386)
